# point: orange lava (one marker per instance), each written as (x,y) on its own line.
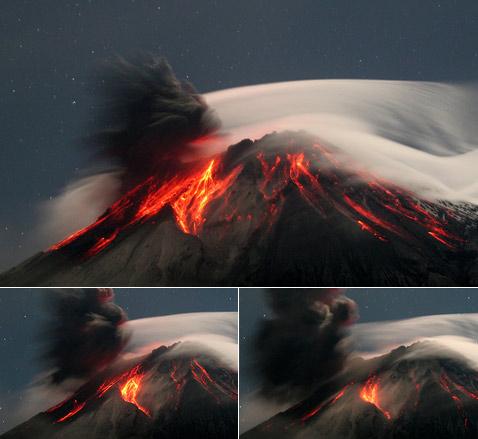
(451,387)
(77,406)
(108,384)
(189,194)
(332,401)
(178,383)
(202,376)
(319,177)
(369,393)
(131,388)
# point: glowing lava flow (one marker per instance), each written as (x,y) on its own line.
(129,385)
(451,387)
(77,406)
(130,389)
(202,376)
(379,208)
(332,401)
(189,195)
(369,393)
(178,383)
(333,190)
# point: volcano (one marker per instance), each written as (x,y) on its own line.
(403,394)
(163,394)
(282,210)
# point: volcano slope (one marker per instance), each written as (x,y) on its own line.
(399,395)
(282,210)
(162,395)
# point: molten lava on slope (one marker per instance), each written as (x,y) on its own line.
(226,219)
(159,395)
(403,397)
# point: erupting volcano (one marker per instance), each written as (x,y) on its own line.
(287,208)
(162,395)
(281,210)
(407,395)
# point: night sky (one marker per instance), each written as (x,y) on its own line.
(22,314)
(49,49)
(374,304)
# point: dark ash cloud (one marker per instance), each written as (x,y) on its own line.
(303,344)
(85,332)
(147,117)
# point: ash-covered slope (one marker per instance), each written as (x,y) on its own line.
(403,394)
(283,210)
(165,394)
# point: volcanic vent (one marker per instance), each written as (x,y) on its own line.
(400,395)
(164,394)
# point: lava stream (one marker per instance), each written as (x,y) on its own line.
(369,393)
(202,376)
(451,387)
(77,406)
(380,208)
(332,401)
(189,194)
(128,383)
(131,388)
(178,383)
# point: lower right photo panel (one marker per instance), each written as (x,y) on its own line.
(358,363)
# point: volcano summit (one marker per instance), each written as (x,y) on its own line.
(402,394)
(161,395)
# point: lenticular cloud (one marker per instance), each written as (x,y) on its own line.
(421,135)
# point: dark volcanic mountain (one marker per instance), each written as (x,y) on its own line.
(164,395)
(283,210)
(401,395)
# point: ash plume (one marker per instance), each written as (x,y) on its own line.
(147,116)
(85,333)
(303,344)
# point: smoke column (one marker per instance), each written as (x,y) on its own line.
(85,332)
(303,344)
(147,117)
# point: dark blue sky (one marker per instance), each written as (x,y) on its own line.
(49,48)
(22,314)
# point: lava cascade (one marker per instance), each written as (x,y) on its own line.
(454,390)
(379,208)
(129,385)
(370,393)
(202,376)
(131,388)
(329,402)
(188,194)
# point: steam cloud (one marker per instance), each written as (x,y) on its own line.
(303,344)
(85,333)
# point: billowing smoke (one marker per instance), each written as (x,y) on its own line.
(147,120)
(303,344)
(147,116)
(418,135)
(85,333)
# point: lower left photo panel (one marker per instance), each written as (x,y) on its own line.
(118,363)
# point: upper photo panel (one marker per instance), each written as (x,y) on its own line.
(239,144)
